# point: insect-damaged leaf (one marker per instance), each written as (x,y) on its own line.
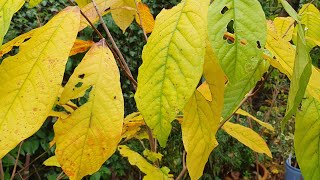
(172,65)
(30,81)
(90,135)
(307,138)
(136,159)
(7,9)
(241,58)
(247,137)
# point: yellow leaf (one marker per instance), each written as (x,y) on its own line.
(172,65)
(90,135)
(91,13)
(7,9)
(80,46)
(131,125)
(205,91)
(7,47)
(52,161)
(123,17)
(146,17)
(30,81)
(247,137)
(152,156)
(136,159)
(82,3)
(264,124)
(284,27)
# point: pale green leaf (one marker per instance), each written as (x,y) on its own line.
(172,65)
(300,77)
(290,10)
(90,135)
(33,3)
(30,81)
(307,138)
(7,9)
(241,59)
(136,159)
(247,137)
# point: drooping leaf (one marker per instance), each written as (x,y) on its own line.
(290,10)
(82,3)
(7,47)
(7,9)
(30,81)
(284,27)
(52,161)
(90,135)
(33,3)
(136,159)
(240,59)
(300,77)
(152,156)
(247,137)
(172,65)
(132,125)
(307,138)
(80,46)
(123,12)
(146,17)
(264,124)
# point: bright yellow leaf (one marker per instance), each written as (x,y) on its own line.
(80,46)
(247,137)
(152,156)
(264,124)
(131,125)
(121,15)
(52,161)
(7,9)
(146,17)
(205,91)
(136,159)
(172,65)
(30,81)
(7,47)
(284,27)
(90,135)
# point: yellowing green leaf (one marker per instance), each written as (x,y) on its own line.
(33,3)
(80,46)
(30,81)
(152,156)
(137,160)
(241,59)
(300,77)
(247,137)
(52,161)
(172,65)
(146,17)
(307,138)
(7,47)
(264,124)
(90,135)
(123,17)
(199,127)
(82,3)
(284,27)
(7,9)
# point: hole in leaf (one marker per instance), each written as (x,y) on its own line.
(81,76)
(230,27)
(79,84)
(224,10)
(258,45)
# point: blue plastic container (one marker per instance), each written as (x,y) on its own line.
(292,173)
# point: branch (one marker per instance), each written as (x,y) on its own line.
(16,163)
(184,169)
(1,171)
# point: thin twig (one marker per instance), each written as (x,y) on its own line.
(141,25)
(35,169)
(114,45)
(1,171)
(26,171)
(16,163)
(184,166)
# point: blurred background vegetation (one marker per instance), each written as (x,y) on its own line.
(229,158)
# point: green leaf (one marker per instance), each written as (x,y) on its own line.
(300,77)
(92,131)
(307,138)
(290,10)
(240,58)
(172,65)
(7,9)
(30,81)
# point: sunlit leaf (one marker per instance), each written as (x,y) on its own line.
(90,135)
(307,138)
(240,59)
(172,65)
(146,17)
(264,124)
(30,81)
(52,161)
(247,137)
(7,9)
(136,159)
